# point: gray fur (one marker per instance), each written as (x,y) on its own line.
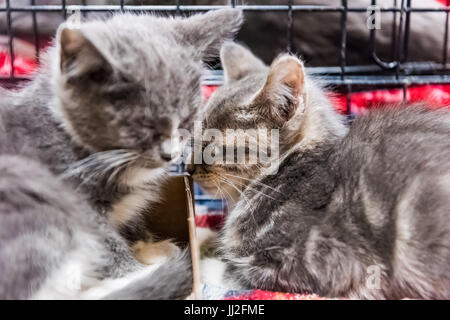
(173,280)
(98,115)
(47,228)
(340,202)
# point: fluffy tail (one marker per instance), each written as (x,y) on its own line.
(171,281)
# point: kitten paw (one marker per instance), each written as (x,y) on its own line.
(155,252)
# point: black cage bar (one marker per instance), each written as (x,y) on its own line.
(395,73)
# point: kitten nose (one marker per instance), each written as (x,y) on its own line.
(166,156)
(190,168)
(166,150)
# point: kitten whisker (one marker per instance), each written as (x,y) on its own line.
(222,195)
(222,192)
(256,190)
(253,181)
(241,193)
(219,190)
(104,164)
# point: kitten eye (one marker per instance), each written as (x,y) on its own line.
(99,75)
(157,137)
(118,95)
(125,79)
(186,123)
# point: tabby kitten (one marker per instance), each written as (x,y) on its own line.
(102,111)
(358,213)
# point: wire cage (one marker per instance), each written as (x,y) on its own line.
(345,78)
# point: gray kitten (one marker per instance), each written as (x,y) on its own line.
(54,246)
(103,109)
(358,213)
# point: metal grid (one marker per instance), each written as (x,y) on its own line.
(397,72)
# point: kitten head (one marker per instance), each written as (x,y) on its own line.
(253,97)
(131,81)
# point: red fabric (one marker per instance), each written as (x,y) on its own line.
(211,221)
(268,295)
(207,91)
(435,95)
(22,66)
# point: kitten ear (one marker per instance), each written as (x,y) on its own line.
(284,89)
(206,32)
(237,61)
(78,56)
